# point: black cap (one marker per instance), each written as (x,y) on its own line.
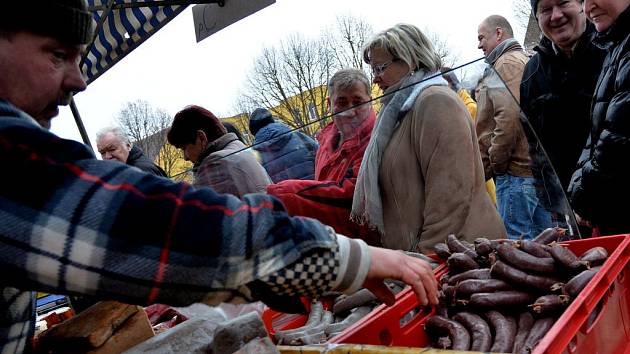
(66,20)
(259,119)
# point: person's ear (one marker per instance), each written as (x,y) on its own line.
(499,32)
(203,138)
(328,106)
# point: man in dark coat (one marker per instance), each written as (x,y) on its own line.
(113,144)
(556,91)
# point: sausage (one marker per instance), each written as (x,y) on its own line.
(504,332)
(595,256)
(470,274)
(549,235)
(479,330)
(460,337)
(448,294)
(499,298)
(471,286)
(525,323)
(442,251)
(461,262)
(311,333)
(525,261)
(455,246)
(538,331)
(567,258)
(548,304)
(349,302)
(533,248)
(483,246)
(356,315)
(314,318)
(574,286)
(518,277)
(444,343)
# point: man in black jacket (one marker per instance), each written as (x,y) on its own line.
(113,144)
(556,91)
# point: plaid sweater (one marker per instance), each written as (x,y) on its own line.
(71,224)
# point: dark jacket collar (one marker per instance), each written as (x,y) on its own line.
(617,32)
(9,110)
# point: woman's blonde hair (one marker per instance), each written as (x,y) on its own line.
(407,43)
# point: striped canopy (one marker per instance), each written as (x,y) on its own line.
(122,25)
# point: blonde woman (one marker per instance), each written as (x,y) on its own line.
(422,177)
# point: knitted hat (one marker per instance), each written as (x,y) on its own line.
(534,6)
(66,20)
(258,119)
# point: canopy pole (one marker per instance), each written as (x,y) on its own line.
(80,126)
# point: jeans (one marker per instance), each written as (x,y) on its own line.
(518,206)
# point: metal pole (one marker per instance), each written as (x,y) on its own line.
(80,126)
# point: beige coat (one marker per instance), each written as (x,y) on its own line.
(502,142)
(431,177)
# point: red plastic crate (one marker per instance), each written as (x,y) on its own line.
(276,321)
(581,328)
(598,319)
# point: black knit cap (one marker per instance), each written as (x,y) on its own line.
(534,6)
(258,119)
(66,20)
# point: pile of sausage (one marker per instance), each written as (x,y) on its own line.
(323,324)
(504,296)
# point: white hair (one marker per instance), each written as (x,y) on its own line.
(116,131)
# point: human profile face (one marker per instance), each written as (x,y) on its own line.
(345,119)
(603,13)
(387,70)
(112,148)
(562,21)
(193,151)
(488,38)
(38,73)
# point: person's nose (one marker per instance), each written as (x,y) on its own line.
(556,13)
(587,6)
(73,80)
(107,156)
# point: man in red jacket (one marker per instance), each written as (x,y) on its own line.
(341,146)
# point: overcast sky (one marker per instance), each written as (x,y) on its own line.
(170,70)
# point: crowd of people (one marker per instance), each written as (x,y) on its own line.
(297,217)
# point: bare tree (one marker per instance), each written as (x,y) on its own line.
(526,19)
(147,126)
(442,47)
(291,79)
(346,41)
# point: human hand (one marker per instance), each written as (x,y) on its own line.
(582,221)
(390,264)
(452,80)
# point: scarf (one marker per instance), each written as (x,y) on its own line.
(367,205)
(505,46)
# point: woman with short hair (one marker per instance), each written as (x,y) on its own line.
(422,177)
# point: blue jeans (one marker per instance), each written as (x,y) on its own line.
(519,207)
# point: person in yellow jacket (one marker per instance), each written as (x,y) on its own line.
(471,105)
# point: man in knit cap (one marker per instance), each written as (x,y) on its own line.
(71,224)
(556,93)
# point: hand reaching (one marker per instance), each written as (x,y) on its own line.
(390,264)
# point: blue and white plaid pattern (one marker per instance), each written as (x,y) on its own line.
(74,225)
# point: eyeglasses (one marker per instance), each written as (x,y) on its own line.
(378,70)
